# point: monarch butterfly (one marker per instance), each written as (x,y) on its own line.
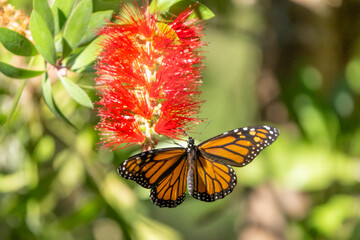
(204,169)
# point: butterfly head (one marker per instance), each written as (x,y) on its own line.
(191,141)
(191,144)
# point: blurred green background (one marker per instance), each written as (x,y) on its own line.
(293,64)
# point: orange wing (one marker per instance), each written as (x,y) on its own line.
(210,177)
(149,168)
(163,170)
(212,180)
(240,146)
(171,191)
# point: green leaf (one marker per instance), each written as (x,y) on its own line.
(50,102)
(16,100)
(61,10)
(42,37)
(98,19)
(77,24)
(16,43)
(176,7)
(66,49)
(76,92)
(89,54)
(43,9)
(64,6)
(19,73)
(158,6)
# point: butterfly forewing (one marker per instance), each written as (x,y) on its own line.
(149,168)
(240,146)
(212,180)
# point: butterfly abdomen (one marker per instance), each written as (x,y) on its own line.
(191,156)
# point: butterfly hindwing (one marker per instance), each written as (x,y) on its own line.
(149,168)
(171,190)
(212,180)
(240,146)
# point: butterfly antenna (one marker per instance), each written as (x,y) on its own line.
(183,130)
(200,132)
(185,133)
(208,123)
(177,143)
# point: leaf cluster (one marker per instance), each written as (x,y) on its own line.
(65,36)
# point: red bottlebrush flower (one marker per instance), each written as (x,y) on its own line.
(148,77)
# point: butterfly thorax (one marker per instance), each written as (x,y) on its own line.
(192,151)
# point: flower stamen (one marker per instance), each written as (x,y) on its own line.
(148,77)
